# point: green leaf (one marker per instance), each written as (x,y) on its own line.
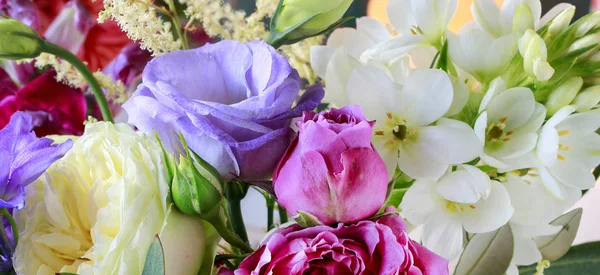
(581,259)
(306,219)
(487,253)
(554,247)
(395,198)
(66,273)
(155,259)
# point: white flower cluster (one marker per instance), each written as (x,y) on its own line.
(498,127)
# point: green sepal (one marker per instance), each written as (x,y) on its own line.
(155,259)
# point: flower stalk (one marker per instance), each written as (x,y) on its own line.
(234,193)
(85,73)
(13,225)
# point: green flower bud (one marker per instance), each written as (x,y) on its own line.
(584,42)
(587,23)
(18,41)
(561,22)
(533,50)
(299,19)
(563,95)
(194,187)
(587,99)
(523,19)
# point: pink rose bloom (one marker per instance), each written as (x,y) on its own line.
(331,170)
(368,247)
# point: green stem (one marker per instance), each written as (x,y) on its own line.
(6,244)
(274,39)
(219,224)
(13,225)
(85,73)
(283,216)
(234,208)
(177,24)
(270,208)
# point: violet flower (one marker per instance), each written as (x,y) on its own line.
(231,101)
(24,158)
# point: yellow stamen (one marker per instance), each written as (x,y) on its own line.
(564,132)
(502,120)
(563,147)
(560,157)
(379,133)
(472,206)
(506,139)
(510,133)
(389,115)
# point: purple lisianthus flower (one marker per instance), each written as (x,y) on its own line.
(24,158)
(231,101)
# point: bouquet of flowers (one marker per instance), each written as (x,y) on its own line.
(393,149)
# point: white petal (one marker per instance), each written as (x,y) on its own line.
(491,161)
(510,7)
(389,154)
(525,252)
(394,48)
(372,28)
(464,186)
(373,90)
(420,201)
(468,49)
(425,97)
(400,14)
(515,105)
(551,184)
(572,173)
(400,69)
(489,214)
(338,73)
(583,148)
(443,234)
(547,147)
(422,57)
(516,147)
(587,99)
(418,165)
(433,16)
(512,270)
(487,16)
(553,12)
(350,39)
(497,86)
(536,120)
(499,54)
(587,122)
(480,127)
(461,96)
(319,59)
(560,116)
(533,203)
(542,69)
(450,144)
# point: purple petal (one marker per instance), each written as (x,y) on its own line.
(129,64)
(70,28)
(21,10)
(28,155)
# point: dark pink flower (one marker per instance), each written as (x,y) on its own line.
(55,107)
(368,247)
(331,170)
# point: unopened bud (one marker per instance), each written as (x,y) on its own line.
(523,19)
(18,41)
(587,99)
(533,50)
(563,95)
(195,191)
(298,19)
(587,23)
(561,21)
(584,42)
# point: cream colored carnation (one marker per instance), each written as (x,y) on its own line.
(97,210)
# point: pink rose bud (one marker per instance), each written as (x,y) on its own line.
(330,169)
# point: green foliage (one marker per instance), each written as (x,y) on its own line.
(155,259)
(582,259)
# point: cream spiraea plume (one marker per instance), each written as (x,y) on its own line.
(68,75)
(141,21)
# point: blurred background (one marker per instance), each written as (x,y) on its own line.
(376,8)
